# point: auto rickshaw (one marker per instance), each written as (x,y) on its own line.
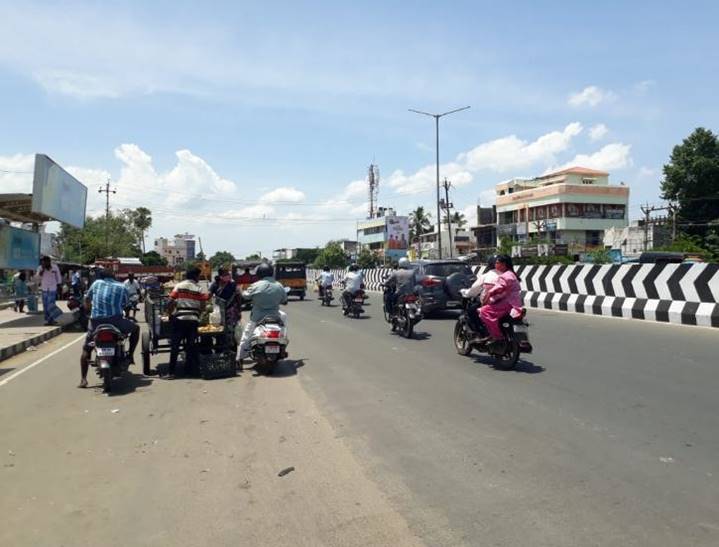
(294,276)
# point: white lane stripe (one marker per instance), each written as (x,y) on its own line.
(32,365)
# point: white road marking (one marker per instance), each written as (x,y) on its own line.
(32,365)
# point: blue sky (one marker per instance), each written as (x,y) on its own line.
(252,125)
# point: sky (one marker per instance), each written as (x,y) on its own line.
(252,125)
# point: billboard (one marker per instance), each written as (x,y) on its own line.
(19,249)
(397,234)
(57,194)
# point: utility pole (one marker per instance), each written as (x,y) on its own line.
(673,208)
(436,140)
(647,210)
(447,206)
(107,193)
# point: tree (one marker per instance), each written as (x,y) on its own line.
(88,244)
(459,221)
(142,221)
(419,223)
(332,255)
(691,179)
(308,256)
(220,259)
(253,256)
(366,259)
(153,258)
(200,257)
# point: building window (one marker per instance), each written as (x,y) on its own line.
(587,181)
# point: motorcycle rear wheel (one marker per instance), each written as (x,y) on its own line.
(106,380)
(408,328)
(461,343)
(508,360)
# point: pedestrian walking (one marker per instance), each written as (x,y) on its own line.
(50,281)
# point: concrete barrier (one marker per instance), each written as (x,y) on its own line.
(686,294)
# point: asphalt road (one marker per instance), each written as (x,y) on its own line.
(607,435)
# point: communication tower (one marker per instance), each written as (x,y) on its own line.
(373,184)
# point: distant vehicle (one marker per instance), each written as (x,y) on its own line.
(661,257)
(292,275)
(441,281)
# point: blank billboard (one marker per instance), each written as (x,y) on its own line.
(57,194)
(19,249)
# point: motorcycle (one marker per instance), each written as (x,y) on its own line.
(132,306)
(406,314)
(469,331)
(326,296)
(352,305)
(111,356)
(268,344)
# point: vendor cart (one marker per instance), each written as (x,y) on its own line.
(215,359)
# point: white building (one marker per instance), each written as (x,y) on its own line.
(461,245)
(177,251)
(630,239)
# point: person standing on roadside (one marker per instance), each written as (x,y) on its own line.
(186,303)
(20,291)
(50,279)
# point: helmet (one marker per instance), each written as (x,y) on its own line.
(491,261)
(326,269)
(354,267)
(403,263)
(264,270)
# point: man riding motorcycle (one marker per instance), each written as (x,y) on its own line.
(106,299)
(325,280)
(133,293)
(352,285)
(266,295)
(402,282)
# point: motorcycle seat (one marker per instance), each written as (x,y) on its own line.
(271,320)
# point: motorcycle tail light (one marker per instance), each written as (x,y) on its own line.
(410,298)
(105,336)
(430,282)
(272,334)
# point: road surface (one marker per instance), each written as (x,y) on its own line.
(607,435)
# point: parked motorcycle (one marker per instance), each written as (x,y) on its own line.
(352,305)
(111,356)
(469,330)
(406,314)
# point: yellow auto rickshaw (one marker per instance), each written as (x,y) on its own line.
(294,276)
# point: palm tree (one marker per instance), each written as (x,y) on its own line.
(142,220)
(419,223)
(459,220)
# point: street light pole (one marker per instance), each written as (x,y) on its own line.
(436,140)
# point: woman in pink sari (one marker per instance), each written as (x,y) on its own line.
(502,298)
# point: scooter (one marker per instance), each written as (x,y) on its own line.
(268,344)
(469,332)
(352,305)
(111,356)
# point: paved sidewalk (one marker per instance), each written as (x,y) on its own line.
(19,331)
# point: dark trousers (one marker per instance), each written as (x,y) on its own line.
(184,332)
(473,319)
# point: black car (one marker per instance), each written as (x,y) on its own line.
(441,281)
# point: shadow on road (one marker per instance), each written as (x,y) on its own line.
(523,366)
(286,368)
(126,384)
(442,315)
(5,370)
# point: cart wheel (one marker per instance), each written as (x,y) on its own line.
(146,353)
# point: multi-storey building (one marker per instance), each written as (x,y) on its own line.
(386,235)
(573,206)
(177,251)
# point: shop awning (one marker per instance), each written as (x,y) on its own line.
(18,208)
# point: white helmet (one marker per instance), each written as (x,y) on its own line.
(403,263)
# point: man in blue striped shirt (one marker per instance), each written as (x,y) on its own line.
(107,299)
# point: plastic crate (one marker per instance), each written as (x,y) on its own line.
(217,365)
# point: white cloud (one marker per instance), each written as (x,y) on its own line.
(488,197)
(512,153)
(643,87)
(612,156)
(646,172)
(283,194)
(16,173)
(426,178)
(591,96)
(76,84)
(598,132)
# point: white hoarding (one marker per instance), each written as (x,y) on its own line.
(57,194)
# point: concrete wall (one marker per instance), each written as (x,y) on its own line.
(686,294)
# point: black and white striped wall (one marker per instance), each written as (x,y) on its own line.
(686,294)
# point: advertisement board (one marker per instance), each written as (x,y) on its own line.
(397,233)
(19,249)
(57,194)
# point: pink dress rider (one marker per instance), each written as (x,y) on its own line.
(504,297)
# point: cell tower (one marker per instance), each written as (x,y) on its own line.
(373,183)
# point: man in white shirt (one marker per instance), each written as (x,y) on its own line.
(49,278)
(133,293)
(352,284)
(325,279)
